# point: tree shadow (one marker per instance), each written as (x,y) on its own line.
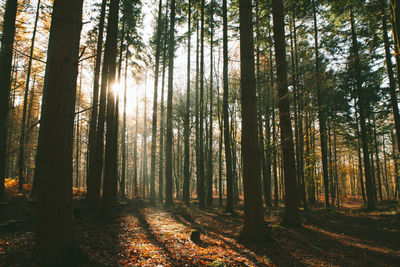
(280,255)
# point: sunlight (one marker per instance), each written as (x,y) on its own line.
(118,89)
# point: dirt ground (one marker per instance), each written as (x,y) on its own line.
(145,235)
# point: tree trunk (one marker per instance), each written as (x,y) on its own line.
(361,107)
(169,139)
(321,111)
(292,215)
(6,55)
(109,197)
(186,166)
(123,133)
(54,231)
(155,97)
(161,149)
(253,228)
(21,161)
(93,179)
(210,169)
(225,112)
(201,192)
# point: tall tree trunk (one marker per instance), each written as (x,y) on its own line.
(225,112)
(162,120)
(6,55)
(124,132)
(109,197)
(321,110)
(21,161)
(169,139)
(94,180)
(54,229)
(135,154)
(155,97)
(360,168)
(144,158)
(253,227)
(292,215)
(201,189)
(210,168)
(378,167)
(186,164)
(361,107)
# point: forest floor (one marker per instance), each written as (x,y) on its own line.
(149,235)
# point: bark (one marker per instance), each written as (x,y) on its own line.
(186,164)
(253,228)
(6,56)
(161,161)
(54,229)
(321,111)
(201,189)
(124,133)
(93,179)
(361,107)
(291,215)
(155,97)
(210,131)
(109,197)
(225,112)
(21,161)
(169,139)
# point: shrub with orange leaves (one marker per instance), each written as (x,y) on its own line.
(11,186)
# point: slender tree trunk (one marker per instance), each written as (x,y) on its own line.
(201,192)
(292,215)
(109,182)
(144,158)
(123,133)
(210,168)
(155,98)
(225,112)
(169,137)
(321,110)
(6,56)
(21,161)
(361,107)
(94,180)
(135,154)
(161,149)
(378,167)
(55,228)
(359,154)
(186,166)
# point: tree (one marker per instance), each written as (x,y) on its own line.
(200,175)
(54,233)
(362,110)
(254,227)
(110,179)
(186,169)
(93,179)
(291,215)
(225,112)
(154,122)
(6,56)
(321,109)
(24,110)
(168,147)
